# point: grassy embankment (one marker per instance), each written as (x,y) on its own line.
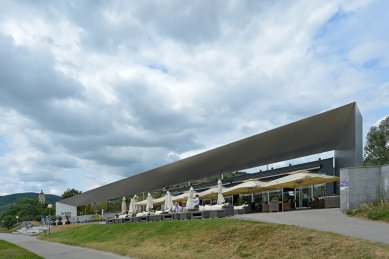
(215,238)
(11,251)
(378,210)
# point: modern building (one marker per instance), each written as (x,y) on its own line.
(338,130)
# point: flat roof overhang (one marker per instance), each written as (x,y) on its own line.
(339,129)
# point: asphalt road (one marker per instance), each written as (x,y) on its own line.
(331,220)
(54,250)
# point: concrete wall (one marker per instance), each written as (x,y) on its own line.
(363,184)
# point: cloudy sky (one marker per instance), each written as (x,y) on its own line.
(94,91)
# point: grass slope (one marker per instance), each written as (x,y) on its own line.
(11,251)
(215,238)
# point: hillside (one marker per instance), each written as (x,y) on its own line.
(214,238)
(7,200)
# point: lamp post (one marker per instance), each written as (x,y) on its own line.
(17,219)
(49,207)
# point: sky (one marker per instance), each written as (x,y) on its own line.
(95,91)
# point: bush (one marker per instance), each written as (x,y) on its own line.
(377,210)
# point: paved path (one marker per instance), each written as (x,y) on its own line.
(54,250)
(331,220)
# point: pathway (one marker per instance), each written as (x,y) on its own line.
(331,220)
(53,250)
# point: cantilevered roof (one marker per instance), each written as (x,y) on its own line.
(339,129)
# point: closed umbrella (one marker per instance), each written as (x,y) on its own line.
(168,201)
(220,198)
(149,203)
(135,201)
(132,208)
(189,203)
(124,205)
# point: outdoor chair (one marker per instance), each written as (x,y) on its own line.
(155,218)
(197,214)
(275,206)
(166,217)
(185,215)
(229,210)
(265,207)
(332,202)
(217,213)
(134,219)
(286,206)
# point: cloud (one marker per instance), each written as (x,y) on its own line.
(95,91)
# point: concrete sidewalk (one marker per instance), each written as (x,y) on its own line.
(331,220)
(54,250)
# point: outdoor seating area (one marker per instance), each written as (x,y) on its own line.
(170,208)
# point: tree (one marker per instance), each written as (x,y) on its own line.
(377,144)
(8,221)
(70,193)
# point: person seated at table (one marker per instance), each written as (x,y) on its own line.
(176,208)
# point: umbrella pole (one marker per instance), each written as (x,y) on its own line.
(295,197)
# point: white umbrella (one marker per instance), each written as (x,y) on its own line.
(189,203)
(132,208)
(149,203)
(209,194)
(135,198)
(124,205)
(300,179)
(220,198)
(168,201)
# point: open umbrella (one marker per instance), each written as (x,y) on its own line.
(168,201)
(300,179)
(182,197)
(247,187)
(220,198)
(149,202)
(189,203)
(124,205)
(209,194)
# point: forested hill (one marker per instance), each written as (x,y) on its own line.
(7,200)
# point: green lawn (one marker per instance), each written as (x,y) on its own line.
(11,251)
(378,210)
(215,238)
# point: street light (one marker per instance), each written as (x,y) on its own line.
(17,219)
(49,207)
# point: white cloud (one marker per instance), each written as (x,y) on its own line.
(96,92)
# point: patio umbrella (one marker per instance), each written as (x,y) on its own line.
(149,203)
(182,197)
(132,208)
(220,198)
(159,201)
(300,179)
(168,201)
(135,198)
(124,205)
(209,194)
(189,202)
(250,186)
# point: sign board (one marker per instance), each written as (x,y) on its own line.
(343,185)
